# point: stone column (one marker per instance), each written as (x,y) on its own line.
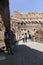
(5,13)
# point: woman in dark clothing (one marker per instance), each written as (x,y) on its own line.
(7,42)
(29,36)
(25,37)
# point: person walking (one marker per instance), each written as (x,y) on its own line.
(7,42)
(29,36)
(12,40)
(25,37)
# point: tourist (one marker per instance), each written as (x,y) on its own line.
(29,36)
(7,42)
(25,37)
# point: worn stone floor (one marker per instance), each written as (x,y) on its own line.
(28,53)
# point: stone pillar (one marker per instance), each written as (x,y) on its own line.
(5,13)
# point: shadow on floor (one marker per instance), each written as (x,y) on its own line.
(24,55)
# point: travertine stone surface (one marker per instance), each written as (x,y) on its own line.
(22,22)
(4,17)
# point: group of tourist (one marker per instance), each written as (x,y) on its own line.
(25,37)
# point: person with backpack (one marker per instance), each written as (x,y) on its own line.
(7,42)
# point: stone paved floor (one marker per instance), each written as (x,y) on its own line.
(29,53)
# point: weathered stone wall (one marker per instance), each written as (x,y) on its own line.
(28,21)
(4,12)
(39,36)
(4,17)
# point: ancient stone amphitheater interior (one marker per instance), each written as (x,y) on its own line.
(22,22)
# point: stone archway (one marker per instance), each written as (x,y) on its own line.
(4,15)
